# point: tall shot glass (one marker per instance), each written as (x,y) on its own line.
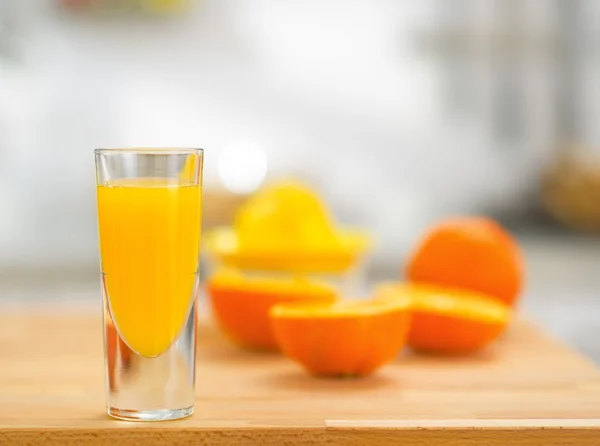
(149,219)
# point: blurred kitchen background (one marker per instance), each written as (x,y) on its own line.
(399,112)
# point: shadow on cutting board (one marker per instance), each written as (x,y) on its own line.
(300,380)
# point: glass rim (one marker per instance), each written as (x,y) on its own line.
(151,150)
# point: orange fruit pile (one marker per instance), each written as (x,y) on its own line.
(464,280)
(351,338)
(241,303)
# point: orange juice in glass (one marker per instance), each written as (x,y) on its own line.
(149,219)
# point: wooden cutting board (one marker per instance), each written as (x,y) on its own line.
(527,390)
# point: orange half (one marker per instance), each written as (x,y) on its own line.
(448,320)
(346,338)
(241,304)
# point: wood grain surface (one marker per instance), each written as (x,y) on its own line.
(526,390)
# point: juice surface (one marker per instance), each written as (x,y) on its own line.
(149,246)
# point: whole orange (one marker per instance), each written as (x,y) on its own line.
(473,253)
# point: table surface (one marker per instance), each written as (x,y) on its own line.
(527,389)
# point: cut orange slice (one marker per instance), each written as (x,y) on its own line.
(449,320)
(347,338)
(241,304)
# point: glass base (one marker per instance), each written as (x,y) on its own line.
(150,415)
